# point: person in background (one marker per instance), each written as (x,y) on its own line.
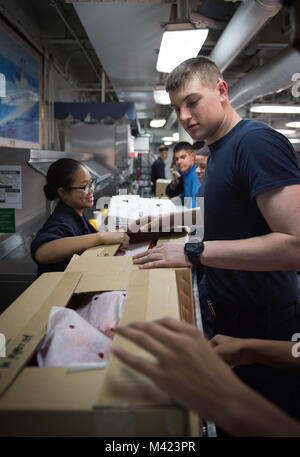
(158,166)
(67,231)
(185,181)
(201,162)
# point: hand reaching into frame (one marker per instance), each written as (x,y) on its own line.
(234,351)
(190,371)
(187,367)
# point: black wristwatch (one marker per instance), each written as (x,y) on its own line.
(193,250)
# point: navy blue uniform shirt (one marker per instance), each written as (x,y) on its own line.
(252,158)
(63,222)
(157,172)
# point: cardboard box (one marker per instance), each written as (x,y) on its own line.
(115,401)
(160,188)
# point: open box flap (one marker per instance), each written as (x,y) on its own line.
(152,294)
(103,273)
(97,251)
(19,313)
(24,342)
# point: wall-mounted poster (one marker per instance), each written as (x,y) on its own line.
(21,101)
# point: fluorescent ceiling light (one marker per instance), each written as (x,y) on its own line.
(161,97)
(156,123)
(294,140)
(176,136)
(289,109)
(169,138)
(293,124)
(179,45)
(286,131)
(167,143)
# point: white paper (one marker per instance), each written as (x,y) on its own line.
(10,186)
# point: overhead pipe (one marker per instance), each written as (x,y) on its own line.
(61,15)
(245,23)
(272,77)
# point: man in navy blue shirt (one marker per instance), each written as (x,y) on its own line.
(251,247)
(158,166)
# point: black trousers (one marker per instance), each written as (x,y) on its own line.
(280,387)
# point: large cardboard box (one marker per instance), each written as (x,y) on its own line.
(115,401)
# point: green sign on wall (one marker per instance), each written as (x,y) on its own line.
(7,220)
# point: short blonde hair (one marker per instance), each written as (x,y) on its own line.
(203,67)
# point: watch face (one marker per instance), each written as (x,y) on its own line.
(193,251)
(194,248)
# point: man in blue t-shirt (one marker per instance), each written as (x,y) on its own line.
(185,183)
(251,247)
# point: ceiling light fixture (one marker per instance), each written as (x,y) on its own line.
(157,122)
(161,96)
(169,138)
(179,42)
(294,140)
(293,124)
(286,109)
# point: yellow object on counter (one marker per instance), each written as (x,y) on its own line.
(93,222)
(104,212)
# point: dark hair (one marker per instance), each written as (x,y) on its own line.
(203,67)
(198,144)
(204,151)
(60,174)
(163,148)
(183,145)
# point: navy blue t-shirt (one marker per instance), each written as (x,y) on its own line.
(63,222)
(252,158)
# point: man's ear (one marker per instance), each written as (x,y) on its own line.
(223,90)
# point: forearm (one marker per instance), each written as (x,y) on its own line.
(63,248)
(187,217)
(274,251)
(277,354)
(246,413)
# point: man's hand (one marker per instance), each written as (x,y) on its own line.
(168,255)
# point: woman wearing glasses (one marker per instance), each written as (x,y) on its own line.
(67,231)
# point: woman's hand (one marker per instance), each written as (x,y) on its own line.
(115,238)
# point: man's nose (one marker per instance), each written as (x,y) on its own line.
(184,114)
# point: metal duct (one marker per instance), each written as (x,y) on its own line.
(245,23)
(267,79)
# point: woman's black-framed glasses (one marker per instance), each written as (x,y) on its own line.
(87,187)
